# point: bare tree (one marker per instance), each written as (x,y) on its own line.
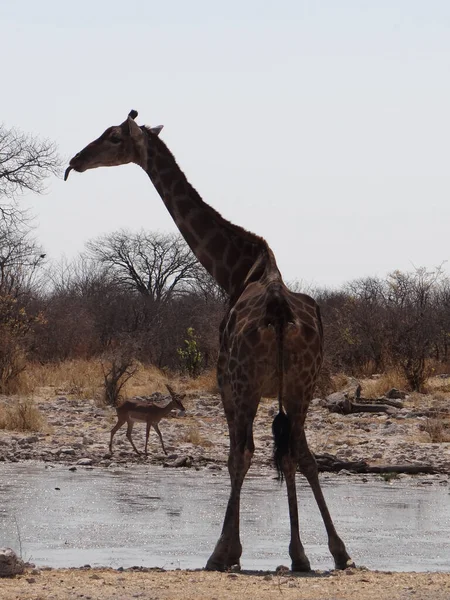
(25,162)
(21,259)
(411,301)
(157,265)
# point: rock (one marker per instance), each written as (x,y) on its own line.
(68,451)
(282,570)
(337,397)
(84,462)
(395,394)
(30,439)
(183,461)
(10,563)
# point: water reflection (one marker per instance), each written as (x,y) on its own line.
(149,516)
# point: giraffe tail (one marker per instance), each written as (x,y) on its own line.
(279,314)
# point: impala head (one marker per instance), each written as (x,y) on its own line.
(176,398)
(118,145)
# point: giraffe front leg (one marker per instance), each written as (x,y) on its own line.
(228,550)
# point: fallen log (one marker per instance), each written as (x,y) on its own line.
(329,463)
(347,407)
(383,400)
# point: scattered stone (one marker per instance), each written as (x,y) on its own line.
(10,563)
(214,467)
(395,394)
(282,570)
(183,461)
(68,451)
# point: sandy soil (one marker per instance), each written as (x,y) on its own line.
(100,584)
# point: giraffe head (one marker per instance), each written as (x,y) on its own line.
(118,145)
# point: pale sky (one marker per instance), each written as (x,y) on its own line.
(322,125)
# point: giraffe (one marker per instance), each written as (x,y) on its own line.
(270,338)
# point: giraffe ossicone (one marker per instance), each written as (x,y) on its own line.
(270,338)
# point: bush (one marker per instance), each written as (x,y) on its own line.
(21,415)
(191,358)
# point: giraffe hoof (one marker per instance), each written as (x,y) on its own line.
(213,565)
(301,566)
(344,563)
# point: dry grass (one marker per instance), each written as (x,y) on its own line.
(21,415)
(80,378)
(375,388)
(206,382)
(147,380)
(438,430)
(339,382)
(193,436)
(84,379)
(439,386)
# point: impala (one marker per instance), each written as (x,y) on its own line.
(136,410)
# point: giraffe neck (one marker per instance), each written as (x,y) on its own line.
(228,252)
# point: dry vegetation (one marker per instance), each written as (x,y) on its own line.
(438,429)
(21,415)
(378,386)
(193,436)
(83,379)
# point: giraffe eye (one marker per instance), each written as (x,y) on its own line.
(115,139)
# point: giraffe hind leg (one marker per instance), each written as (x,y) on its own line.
(308,467)
(286,465)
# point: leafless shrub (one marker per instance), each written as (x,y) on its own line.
(119,369)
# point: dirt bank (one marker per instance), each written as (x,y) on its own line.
(102,584)
(77,431)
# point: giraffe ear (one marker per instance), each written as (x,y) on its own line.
(133,127)
(157,129)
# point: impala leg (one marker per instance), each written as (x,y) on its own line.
(116,427)
(156,428)
(308,467)
(147,433)
(129,430)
